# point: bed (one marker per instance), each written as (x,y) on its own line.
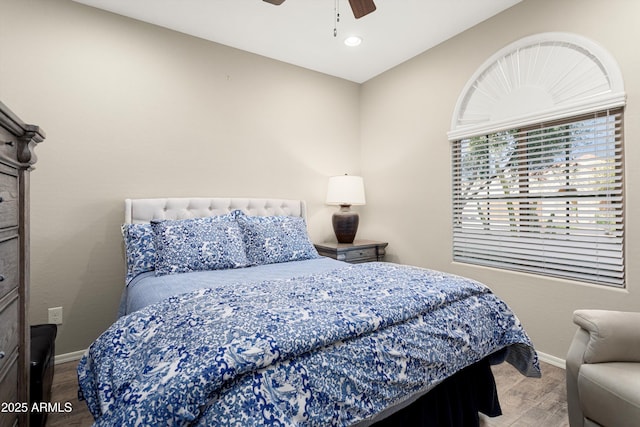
(230,317)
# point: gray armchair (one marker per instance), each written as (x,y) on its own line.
(603,369)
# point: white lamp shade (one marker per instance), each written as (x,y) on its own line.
(346,190)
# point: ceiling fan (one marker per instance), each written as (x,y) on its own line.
(360,8)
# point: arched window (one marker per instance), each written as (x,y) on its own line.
(537,147)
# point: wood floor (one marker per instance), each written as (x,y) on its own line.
(531,402)
(525,401)
(65,389)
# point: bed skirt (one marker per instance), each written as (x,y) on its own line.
(454,403)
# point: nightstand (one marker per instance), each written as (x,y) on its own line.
(356,252)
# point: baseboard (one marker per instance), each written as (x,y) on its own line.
(69,357)
(552,360)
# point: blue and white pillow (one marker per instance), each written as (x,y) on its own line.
(140,254)
(197,244)
(273,239)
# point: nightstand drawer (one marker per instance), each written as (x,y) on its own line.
(356,252)
(8,200)
(367,254)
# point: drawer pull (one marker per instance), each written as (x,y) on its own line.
(1,278)
(1,354)
(1,199)
(9,143)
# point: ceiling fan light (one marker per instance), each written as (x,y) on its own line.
(353,41)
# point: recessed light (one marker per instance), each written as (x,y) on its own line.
(352,41)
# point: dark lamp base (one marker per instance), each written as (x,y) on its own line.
(345,224)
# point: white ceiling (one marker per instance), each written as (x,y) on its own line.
(300,32)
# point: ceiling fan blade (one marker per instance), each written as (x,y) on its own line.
(276,2)
(361,7)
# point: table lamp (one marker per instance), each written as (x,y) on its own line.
(344,191)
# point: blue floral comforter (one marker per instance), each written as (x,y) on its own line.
(324,349)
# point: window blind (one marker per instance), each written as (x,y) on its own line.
(546,199)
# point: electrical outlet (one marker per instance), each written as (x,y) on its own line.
(55,315)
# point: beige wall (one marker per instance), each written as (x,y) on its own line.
(405,115)
(132,110)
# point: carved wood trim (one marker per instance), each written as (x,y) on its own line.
(28,136)
(27,143)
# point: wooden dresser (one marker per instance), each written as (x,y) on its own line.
(17,143)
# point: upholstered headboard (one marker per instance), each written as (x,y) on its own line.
(145,210)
